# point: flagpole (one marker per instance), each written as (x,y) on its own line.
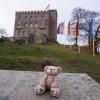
(70,44)
(79,49)
(48,7)
(70,47)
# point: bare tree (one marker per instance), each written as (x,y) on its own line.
(82,14)
(78,13)
(86,15)
(2,32)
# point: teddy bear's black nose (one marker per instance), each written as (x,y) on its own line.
(51,69)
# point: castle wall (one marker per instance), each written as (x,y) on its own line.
(53,25)
(35,25)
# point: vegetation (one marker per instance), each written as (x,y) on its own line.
(35,57)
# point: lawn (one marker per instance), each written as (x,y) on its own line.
(35,57)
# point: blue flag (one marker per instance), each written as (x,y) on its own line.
(90,30)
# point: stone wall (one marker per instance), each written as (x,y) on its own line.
(41,25)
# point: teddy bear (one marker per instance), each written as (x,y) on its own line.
(49,81)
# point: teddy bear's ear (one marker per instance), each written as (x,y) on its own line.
(45,69)
(59,69)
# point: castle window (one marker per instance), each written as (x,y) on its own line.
(18,25)
(25,17)
(30,17)
(31,25)
(36,25)
(19,17)
(23,33)
(42,24)
(42,16)
(28,32)
(35,16)
(18,33)
(26,25)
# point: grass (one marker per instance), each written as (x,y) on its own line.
(35,57)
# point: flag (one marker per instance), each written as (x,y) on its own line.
(90,30)
(48,6)
(58,29)
(62,27)
(68,29)
(76,30)
(97,34)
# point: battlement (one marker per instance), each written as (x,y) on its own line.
(32,12)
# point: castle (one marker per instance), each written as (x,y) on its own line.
(36,26)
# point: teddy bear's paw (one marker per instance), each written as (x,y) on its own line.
(55,92)
(39,90)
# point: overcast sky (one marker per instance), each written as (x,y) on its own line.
(64,8)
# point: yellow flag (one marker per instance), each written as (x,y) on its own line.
(68,29)
(76,30)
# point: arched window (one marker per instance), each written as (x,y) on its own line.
(42,24)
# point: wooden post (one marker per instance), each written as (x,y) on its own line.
(79,49)
(76,41)
(70,47)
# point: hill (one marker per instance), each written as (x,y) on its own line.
(35,57)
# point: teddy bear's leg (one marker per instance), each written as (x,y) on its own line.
(55,92)
(39,90)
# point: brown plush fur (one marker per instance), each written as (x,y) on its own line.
(49,81)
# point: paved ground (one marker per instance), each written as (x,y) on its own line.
(19,85)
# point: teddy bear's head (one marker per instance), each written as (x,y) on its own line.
(52,70)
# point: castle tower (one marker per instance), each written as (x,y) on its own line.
(35,27)
(53,25)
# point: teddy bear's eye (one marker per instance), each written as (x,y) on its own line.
(54,69)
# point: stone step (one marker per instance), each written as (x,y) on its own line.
(19,85)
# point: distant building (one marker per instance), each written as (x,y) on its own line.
(35,26)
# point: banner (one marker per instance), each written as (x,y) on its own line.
(62,27)
(68,29)
(90,30)
(76,30)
